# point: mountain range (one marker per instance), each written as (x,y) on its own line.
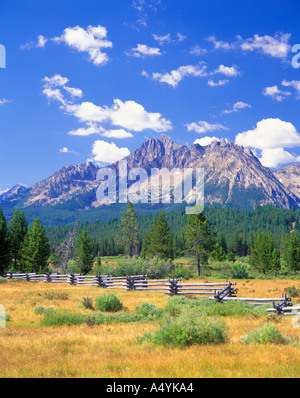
(233,176)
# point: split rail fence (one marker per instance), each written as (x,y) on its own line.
(221,291)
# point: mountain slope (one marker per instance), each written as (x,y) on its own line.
(233,177)
(290,177)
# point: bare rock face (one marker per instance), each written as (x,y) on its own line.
(233,176)
(290,177)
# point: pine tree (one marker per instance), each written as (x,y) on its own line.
(160,239)
(129,238)
(18,230)
(85,252)
(291,250)
(4,244)
(35,249)
(199,237)
(265,255)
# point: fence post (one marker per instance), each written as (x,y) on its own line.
(72,279)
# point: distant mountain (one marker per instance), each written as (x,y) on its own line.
(289,176)
(233,177)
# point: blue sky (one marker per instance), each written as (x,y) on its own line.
(94,79)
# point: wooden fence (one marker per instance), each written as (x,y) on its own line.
(135,282)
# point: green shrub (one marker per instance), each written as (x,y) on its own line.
(292,291)
(268,334)
(56,296)
(65,318)
(87,302)
(7,317)
(154,268)
(3,280)
(230,257)
(177,305)
(149,310)
(182,272)
(240,271)
(42,310)
(108,303)
(39,310)
(186,331)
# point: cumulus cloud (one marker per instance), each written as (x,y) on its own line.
(237,106)
(271,136)
(203,127)
(273,157)
(66,150)
(277,46)
(166,39)
(213,83)
(270,133)
(294,84)
(91,41)
(230,71)
(106,152)
(117,133)
(128,115)
(205,140)
(142,51)
(197,50)
(275,93)
(174,77)
(218,44)
(4,101)
(39,43)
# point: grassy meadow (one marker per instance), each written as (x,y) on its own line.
(111,350)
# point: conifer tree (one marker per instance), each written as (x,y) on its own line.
(18,230)
(160,239)
(291,250)
(265,255)
(85,252)
(200,239)
(4,244)
(129,238)
(35,249)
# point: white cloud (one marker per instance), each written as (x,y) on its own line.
(212,83)
(295,84)
(273,157)
(166,39)
(205,140)
(163,39)
(270,133)
(275,93)
(197,50)
(230,71)
(220,44)
(74,92)
(142,51)
(237,106)
(128,115)
(118,133)
(84,132)
(4,101)
(203,127)
(39,43)
(66,150)
(175,76)
(108,152)
(92,41)
(277,46)
(180,37)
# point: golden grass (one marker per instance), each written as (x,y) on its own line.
(29,350)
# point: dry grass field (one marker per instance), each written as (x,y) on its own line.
(30,350)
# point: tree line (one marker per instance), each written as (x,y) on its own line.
(166,236)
